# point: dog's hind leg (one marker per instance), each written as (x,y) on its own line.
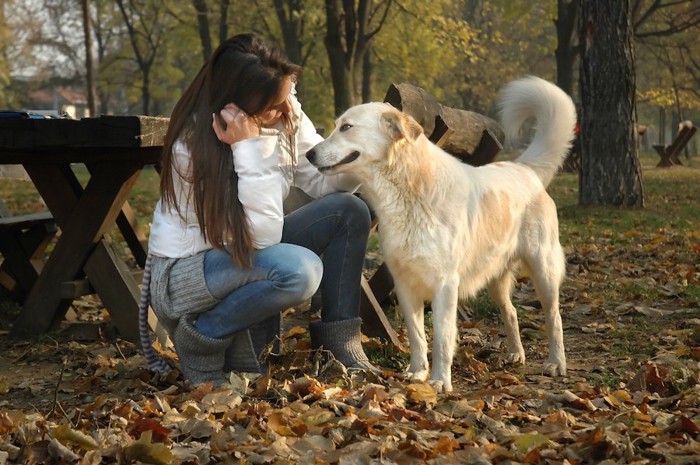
(500,290)
(412,308)
(444,307)
(547,277)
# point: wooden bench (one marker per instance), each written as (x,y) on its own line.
(23,241)
(669,153)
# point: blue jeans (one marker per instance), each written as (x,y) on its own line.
(335,227)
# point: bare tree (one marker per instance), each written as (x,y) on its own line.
(610,167)
(662,29)
(681,15)
(146,27)
(349,33)
(291,20)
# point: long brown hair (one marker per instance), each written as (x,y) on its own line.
(245,71)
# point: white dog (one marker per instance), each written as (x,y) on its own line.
(448,229)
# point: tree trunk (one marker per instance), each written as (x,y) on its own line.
(146,91)
(610,168)
(566,51)
(291,23)
(367,69)
(200,6)
(662,126)
(348,40)
(340,74)
(565,55)
(89,66)
(223,20)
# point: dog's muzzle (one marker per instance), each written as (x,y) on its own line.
(312,156)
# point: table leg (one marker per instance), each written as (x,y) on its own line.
(118,291)
(133,233)
(83,217)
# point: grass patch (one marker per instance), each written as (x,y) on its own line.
(482,307)
(671,203)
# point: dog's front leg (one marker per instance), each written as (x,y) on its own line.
(412,309)
(444,334)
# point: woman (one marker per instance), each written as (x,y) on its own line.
(224,259)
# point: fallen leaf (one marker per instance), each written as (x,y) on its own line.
(66,434)
(421,393)
(528,442)
(145,451)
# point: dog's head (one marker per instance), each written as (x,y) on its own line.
(365,136)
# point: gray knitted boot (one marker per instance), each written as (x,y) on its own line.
(343,339)
(201,357)
(244,353)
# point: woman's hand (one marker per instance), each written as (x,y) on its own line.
(233,125)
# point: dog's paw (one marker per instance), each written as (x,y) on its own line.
(440,386)
(418,375)
(515,358)
(554,369)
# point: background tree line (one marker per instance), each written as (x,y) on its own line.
(142,53)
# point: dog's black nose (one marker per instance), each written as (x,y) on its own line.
(311,156)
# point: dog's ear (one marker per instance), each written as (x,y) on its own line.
(401,126)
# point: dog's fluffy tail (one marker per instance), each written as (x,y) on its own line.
(556,118)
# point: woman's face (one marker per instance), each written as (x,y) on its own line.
(280,106)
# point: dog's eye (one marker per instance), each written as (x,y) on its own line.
(345,127)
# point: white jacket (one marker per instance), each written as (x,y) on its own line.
(266,171)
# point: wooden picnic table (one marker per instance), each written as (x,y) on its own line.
(114,149)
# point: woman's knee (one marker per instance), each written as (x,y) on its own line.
(355,212)
(298,271)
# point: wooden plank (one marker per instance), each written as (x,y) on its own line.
(117,289)
(105,131)
(133,131)
(133,234)
(80,287)
(67,155)
(375,322)
(24,221)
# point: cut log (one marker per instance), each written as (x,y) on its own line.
(467,126)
